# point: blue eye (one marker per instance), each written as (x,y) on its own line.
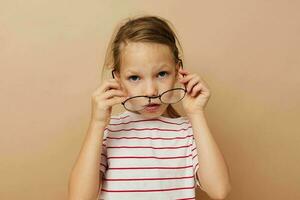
(163,72)
(132,77)
(135,78)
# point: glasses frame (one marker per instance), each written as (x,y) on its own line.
(153,97)
(158,96)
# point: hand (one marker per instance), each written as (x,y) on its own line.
(104,97)
(197,94)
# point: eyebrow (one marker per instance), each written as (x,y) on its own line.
(133,71)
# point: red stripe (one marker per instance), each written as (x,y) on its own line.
(147,147)
(148,129)
(142,157)
(195,167)
(119,117)
(187,198)
(152,138)
(193,149)
(145,179)
(194,156)
(157,190)
(135,168)
(145,120)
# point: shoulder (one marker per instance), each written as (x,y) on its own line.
(119,116)
(116,121)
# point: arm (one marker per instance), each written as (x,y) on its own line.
(86,179)
(213,172)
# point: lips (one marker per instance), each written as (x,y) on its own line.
(152,107)
(153,104)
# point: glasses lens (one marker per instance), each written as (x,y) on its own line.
(173,96)
(136,103)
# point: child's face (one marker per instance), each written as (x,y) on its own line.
(147,69)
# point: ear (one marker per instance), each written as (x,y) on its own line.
(117,77)
(115,74)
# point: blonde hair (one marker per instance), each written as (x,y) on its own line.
(146,28)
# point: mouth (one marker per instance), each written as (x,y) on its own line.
(152,107)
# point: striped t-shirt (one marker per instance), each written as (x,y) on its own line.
(145,158)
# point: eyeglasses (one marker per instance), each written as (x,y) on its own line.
(172,96)
(138,103)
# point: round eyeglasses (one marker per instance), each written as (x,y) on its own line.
(137,103)
(172,96)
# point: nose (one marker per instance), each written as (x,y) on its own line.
(151,89)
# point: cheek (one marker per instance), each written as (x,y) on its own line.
(128,91)
(131,90)
(170,84)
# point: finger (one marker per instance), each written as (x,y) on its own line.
(105,82)
(187,78)
(107,86)
(181,70)
(204,83)
(179,76)
(182,73)
(192,83)
(196,89)
(115,100)
(111,84)
(111,93)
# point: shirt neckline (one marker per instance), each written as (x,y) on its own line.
(140,116)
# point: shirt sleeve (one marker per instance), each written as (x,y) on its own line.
(195,163)
(103,156)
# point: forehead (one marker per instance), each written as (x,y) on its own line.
(148,56)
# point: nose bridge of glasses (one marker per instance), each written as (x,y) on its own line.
(151,98)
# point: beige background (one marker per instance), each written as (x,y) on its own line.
(247,51)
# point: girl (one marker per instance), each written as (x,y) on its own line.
(148,151)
